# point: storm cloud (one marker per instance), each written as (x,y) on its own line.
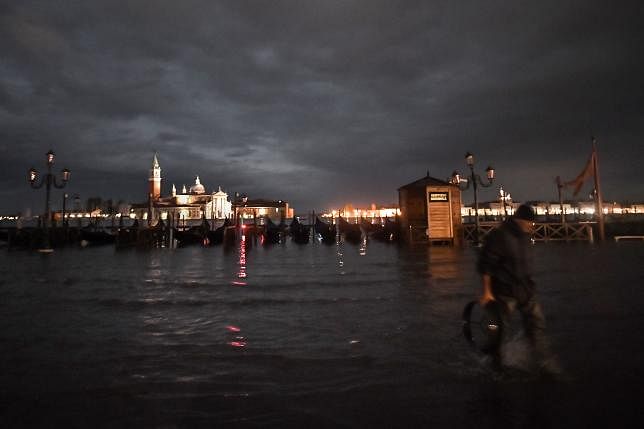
(319,103)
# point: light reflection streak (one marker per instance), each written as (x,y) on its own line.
(237,341)
(442,262)
(234,338)
(242,262)
(154,270)
(340,255)
(363,245)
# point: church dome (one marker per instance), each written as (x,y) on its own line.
(197,188)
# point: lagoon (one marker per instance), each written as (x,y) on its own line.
(326,336)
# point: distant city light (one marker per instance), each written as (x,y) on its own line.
(350,212)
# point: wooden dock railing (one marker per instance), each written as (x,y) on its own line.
(542,231)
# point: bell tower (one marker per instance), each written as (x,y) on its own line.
(154,190)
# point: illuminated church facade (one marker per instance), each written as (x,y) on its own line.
(188,205)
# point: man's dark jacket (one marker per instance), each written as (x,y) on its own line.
(505,258)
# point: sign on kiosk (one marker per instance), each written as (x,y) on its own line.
(441,197)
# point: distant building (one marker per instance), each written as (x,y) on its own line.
(372,213)
(192,204)
(493,209)
(258,208)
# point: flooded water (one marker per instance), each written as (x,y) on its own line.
(320,336)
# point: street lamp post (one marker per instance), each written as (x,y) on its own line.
(475,181)
(48,180)
(77,209)
(65,196)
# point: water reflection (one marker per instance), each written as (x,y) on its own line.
(443,270)
(154,269)
(445,262)
(235,339)
(363,245)
(241,274)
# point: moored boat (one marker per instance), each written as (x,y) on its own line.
(325,230)
(300,233)
(350,231)
(271,233)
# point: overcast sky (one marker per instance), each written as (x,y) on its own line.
(319,103)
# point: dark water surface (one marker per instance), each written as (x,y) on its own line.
(296,336)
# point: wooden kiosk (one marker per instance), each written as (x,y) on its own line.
(430,211)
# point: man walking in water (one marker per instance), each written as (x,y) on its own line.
(506,268)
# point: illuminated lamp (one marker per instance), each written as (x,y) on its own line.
(469,159)
(490,172)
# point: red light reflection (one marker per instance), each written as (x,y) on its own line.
(235,340)
(242,258)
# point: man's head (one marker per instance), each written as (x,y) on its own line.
(524,217)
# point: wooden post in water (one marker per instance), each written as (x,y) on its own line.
(599,206)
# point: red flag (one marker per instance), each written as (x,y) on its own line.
(588,172)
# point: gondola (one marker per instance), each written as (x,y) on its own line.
(216,237)
(350,231)
(193,235)
(392,229)
(271,233)
(326,231)
(299,232)
(367,227)
(96,237)
(28,237)
(389,232)
(127,237)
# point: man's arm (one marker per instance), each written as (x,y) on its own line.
(487,290)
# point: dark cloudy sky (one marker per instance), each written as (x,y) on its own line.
(319,102)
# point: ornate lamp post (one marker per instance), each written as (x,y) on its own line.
(475,181)
(48,180)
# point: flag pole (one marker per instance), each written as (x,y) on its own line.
(561,207)
(599,207)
